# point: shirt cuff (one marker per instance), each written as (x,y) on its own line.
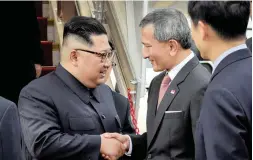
(130,147)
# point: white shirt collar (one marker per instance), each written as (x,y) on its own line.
(226,53)
(174,71)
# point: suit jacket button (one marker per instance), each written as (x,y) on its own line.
(103,116)
(149,156)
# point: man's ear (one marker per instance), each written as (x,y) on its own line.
(203,30)
(73,56)
(173,46)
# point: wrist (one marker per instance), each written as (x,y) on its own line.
(101,142)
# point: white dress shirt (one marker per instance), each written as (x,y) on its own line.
(172,74)
(174,71)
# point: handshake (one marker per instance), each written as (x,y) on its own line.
(114,145)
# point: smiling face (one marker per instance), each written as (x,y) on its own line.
(89,68)
(90,64)
(158,53)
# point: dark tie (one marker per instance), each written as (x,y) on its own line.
(163,88)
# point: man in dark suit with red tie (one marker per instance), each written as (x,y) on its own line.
(225,122)
(175,95)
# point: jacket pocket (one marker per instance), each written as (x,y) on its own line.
(174,115)
(81,123)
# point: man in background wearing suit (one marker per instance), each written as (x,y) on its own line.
(19,29)
(65,113)
(10,131)
(175,95)
(122,105)
(224,128)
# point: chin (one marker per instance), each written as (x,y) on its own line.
(100,81)
(156,69)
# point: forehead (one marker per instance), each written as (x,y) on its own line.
(100,42)
(147,33)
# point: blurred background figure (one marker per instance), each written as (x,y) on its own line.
(113,64)
(21,53)
(120,101)
(10,131)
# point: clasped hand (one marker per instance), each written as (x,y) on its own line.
(114,145)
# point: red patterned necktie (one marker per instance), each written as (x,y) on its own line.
(163,88)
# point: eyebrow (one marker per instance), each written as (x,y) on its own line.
(145,43)
(106,50)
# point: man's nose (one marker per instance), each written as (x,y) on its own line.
(145,54)
(107,63)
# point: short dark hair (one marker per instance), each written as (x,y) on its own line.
(229,19)
(83,27)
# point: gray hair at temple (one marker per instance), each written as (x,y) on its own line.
(169,23)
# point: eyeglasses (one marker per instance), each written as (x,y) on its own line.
(114,64)
(104,56)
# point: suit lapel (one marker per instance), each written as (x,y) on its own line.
(165,103)
(169,96)
(233,57)
(152,102)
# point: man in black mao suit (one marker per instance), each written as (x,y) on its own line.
(65,113)
(10,131)
(225,124)
(171,119)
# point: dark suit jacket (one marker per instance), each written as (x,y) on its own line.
(249,44)
(60,119)
(123,109)
(224,128)
(170,135)
(20,47)
(10,131)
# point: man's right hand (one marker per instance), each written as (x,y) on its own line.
(124,139)
(112,148)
